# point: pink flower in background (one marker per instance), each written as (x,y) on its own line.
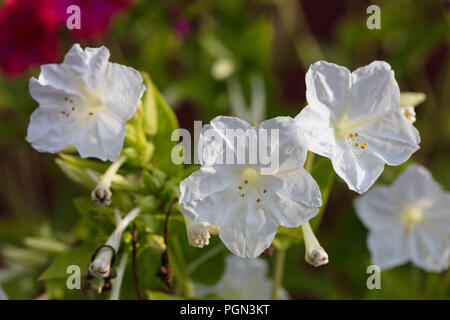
(182,26)
(28,36)
(95,15)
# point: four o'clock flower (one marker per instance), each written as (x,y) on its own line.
(410,220)
(85,101)
(247,202)
(244,279)
(355,120)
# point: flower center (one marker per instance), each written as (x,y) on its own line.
(250,181)
(344,130)
(251,177)
(87,107)
(413,214)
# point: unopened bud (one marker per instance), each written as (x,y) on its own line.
(156,242)
(315,255)
(101,267)
(102,193)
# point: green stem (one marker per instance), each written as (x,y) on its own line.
(280,257)
(203,258)
(444,287)
(415,282)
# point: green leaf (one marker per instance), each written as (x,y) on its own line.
(80,256)
(159,123)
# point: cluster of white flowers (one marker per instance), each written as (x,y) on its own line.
(356,119)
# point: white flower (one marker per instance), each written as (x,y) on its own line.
(409,220)
(245,201)
(85,101)
(244,279)
(355,120)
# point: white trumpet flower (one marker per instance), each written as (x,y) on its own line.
(243,279)
(84,101)
(408,221)
(355,120)
(247,204)
(100,267)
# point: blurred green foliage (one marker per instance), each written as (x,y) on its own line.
(227,41)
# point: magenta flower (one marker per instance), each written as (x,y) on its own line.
(29,35)
(95,15)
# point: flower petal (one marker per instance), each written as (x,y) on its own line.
(247,232)
(391,138)
(290,146)
(75,60)
(226,141)
(378,209)
(102,137)
(49,131)
(430,248)
(293,197)
(416,183)
(439,212)
(59,77)
(98,61)
(359,171)
(315,122)
(48,95)
(123,89)
(374,91)
(203,194)
(327,85)
(388,247)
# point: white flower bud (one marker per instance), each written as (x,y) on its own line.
(315,255)
(102,193)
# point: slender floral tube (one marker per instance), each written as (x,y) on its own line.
(115,292)
(100,267)
(315,255)
(102,193)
